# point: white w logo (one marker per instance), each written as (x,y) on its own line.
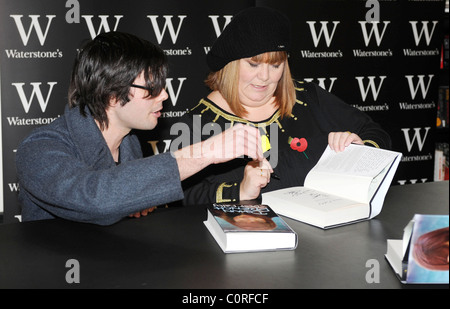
(425,31)
(370,86)
(215,22)
(321,82)
(174,96)
(167,25)
(104,25)
(374,31)
(323,30)
(416,136)
(26,103)
(414,89)
(34,24)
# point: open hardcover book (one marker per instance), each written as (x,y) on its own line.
(342,188)
(247,228)
(422,255)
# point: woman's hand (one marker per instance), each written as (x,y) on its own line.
(339,140)
(256,177)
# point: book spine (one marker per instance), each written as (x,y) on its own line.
(404,274)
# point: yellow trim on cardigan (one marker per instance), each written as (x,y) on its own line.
(233,118)
(368,141)
(219,193)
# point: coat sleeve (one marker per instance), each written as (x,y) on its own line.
(217,182)
(54,178)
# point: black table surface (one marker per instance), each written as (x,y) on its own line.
(171,248)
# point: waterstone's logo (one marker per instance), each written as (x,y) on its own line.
(38,25)
(26,98)
(324,32)
(161,26)
(422,32)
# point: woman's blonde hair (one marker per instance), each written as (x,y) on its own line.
(226,81)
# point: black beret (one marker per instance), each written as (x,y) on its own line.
(251,32)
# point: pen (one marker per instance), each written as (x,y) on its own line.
(272,175)
(275,176)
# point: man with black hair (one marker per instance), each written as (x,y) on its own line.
(88,166)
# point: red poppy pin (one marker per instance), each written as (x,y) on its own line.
(299,144)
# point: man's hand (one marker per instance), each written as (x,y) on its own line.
(142,212)
(235,142)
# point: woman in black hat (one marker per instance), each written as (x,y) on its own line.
(251,84)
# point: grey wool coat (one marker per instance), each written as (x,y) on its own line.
(66,170)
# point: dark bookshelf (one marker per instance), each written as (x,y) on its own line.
(442,123)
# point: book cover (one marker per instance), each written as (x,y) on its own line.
(246,228)
(428,256)
(248,218)
(421,257)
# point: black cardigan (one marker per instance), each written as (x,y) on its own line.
(315,114)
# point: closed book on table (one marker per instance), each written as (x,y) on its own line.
(421,257)
(247,228)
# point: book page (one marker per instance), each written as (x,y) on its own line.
(316,199)
(355,173)
(355,160)
(350,187)
(314,207)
